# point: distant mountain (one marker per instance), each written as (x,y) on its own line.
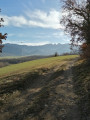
(24,50)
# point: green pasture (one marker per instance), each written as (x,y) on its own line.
(35,64)
(10,57)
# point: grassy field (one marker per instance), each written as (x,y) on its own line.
(31,65)
(27,89)
(49,88)
(9,57)
(6,61)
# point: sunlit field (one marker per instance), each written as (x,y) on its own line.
(35,64)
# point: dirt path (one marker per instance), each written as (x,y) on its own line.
(62,100)
(50,97)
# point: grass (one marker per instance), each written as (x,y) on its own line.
(81,73)
(22,83)
(39,102)
(9,57)
(6,61)
(15,90)
(31,65)
(27,96)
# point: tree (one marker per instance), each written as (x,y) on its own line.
(77,20)
(56,54)
(2,36)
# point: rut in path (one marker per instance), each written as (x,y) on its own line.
(62,101)
(50,97)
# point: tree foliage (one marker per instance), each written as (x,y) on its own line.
(56,54)
(76,20)
(2,36)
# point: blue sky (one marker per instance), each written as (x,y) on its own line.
(33,22)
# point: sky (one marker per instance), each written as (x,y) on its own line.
(33,22)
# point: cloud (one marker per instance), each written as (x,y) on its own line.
(16,21)
(29,44)
(20,35)
(64,37)
(60,34)
(43,1)
(35,44)
(36,18)
(45,20)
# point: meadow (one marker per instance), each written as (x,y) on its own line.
(45,89)
(26,87)
(32,65)
(8,60)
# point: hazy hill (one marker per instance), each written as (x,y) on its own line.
(24,50)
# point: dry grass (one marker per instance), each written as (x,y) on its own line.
(81,77)
(38,94)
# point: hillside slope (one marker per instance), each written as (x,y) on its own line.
(5,61)
(32,65)
(46,93)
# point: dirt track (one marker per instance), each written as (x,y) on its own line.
(49,97)
(62,100)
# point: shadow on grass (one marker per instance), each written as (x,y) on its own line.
(81,79)
(57,74)
(40,98)
(22,84)
(37,104)
(35,108)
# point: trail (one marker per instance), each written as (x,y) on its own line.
(50,97)
(62,101)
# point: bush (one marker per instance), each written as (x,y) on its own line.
(85,50)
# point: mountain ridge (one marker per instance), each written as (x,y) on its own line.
(25,50)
